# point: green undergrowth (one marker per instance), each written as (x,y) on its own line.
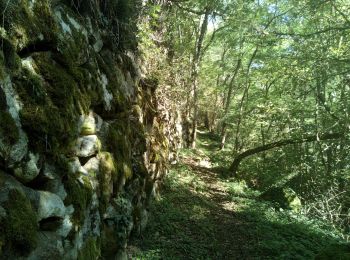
(179,226)
(282,234)
(186,223)
(208,144)
(182,225)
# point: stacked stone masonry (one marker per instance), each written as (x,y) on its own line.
(83,145)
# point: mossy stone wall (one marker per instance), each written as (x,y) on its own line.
(82,145)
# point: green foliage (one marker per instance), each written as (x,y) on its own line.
(283,234)
(291,83)
(240,189)
(180,215)
(20,225)
(335,251)
(192,219)
(285,198)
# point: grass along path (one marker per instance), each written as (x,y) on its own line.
(202,215)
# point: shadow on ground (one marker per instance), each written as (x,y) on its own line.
(197,219)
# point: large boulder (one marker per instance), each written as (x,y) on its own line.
(50,205)
(30,170)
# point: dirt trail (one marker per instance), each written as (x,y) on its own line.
(203,217)
(229,228)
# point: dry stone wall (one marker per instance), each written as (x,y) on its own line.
(83,145)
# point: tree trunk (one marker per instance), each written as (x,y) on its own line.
(223,137)
(236,162)
(228,103)
(195,71)
(240,117)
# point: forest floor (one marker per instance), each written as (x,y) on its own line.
(202,214)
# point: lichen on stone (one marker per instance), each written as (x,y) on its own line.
(107,96)
(88,127)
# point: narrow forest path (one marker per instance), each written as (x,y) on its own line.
(202,214)
(230,240)
(202,217)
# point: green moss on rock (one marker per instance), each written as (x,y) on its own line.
(63,88)
(88,128)
(11,59)
(27,23)
(108,175)
(107,163)
(44,21)
(107,65)
(2,241)
(2,68)
(90,249)
(127,171)
(8,129)
(119,143)
(79,195)
(52,105)
(20,224)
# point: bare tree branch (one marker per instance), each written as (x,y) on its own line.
(311,138)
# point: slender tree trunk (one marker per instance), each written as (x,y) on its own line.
(215,113)
(188,104)
(228,104)
(312,138)
(195,110)
(195,72)
(223,135)
(245,95)
(240,115)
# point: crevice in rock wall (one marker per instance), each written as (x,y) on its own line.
(40,46)
(50,223)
